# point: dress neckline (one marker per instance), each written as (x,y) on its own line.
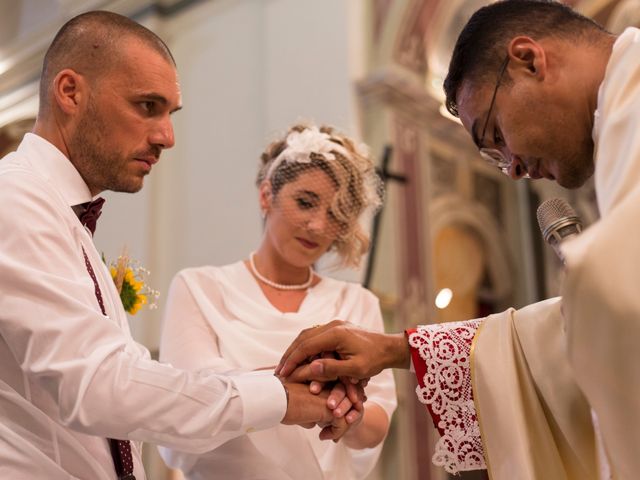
(261,298)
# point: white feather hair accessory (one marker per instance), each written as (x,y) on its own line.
(300,146)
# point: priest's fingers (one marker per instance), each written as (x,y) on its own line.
(314,372)
(310,372)
(303,374)
(316,386)
(351,349)
(331,369)
(289,361)
(359,353)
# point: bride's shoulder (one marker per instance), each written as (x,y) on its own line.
(347,287)
(204,273)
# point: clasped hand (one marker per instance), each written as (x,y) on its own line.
(346,402)
(347,356)
(343,401)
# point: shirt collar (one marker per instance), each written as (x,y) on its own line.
(56,168)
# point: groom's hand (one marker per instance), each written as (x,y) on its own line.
(304,407)
(307,410)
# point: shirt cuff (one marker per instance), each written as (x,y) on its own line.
(264,400)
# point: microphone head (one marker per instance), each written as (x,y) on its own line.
(555,216)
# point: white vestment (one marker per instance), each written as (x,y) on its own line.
(503,396)
(602,285)
(70,376)
(556,392)
(219,319)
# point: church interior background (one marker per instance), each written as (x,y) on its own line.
(373,68)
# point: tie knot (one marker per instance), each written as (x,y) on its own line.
(90,213)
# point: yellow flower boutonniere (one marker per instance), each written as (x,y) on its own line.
(129,278)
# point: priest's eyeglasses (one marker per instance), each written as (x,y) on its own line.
(493,156)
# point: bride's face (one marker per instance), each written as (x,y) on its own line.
(300,223)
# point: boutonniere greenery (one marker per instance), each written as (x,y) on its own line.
(130,279)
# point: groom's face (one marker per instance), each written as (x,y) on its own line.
(127,121)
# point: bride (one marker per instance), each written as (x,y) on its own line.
(314,186)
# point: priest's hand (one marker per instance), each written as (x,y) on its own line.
(358,353)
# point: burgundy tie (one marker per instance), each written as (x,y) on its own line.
(90,213)
(120,449)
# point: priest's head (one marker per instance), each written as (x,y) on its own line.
(524,79)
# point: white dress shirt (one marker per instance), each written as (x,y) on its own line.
(69,376)
(218,318)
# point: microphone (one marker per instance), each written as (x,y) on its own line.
(558,221)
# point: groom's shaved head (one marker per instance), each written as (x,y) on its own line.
(92,44)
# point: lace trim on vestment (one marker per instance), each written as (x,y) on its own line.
(447,392)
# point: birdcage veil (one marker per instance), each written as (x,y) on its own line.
(323,183)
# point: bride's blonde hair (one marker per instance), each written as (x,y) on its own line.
(359,188)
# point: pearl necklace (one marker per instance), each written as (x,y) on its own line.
(279,286)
